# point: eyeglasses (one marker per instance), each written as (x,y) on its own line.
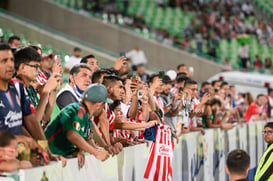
(36,66)
(269,132)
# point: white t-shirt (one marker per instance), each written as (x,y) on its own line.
(72,61)
(137,57)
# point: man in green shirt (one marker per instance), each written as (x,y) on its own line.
(70,131)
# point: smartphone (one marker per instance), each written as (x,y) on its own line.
(134,78)
(161,75)
(207,90)
(180,89)
(58,59)
(43,158)
(139,94)
(122,54)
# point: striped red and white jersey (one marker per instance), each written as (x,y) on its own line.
(159,165)
(110,116)
(159,102)
(125,134)
(139,134)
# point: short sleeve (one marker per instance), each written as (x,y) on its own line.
(64,99)
(70,120)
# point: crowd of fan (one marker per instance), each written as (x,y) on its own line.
(104,109)
(212,22)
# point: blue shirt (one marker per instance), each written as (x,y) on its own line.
(14,105)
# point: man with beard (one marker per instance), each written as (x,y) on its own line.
(115,92)
(169,100)
(265,167)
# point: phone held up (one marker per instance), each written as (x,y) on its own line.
(57,59)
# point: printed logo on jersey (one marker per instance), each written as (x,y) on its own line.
(13,119)
(164,150)
(76,125)
(2,105)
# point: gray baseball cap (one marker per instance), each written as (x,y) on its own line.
(96,93)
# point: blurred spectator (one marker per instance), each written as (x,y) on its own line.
(268,64)
(212,44)
(9,154)
(186,43)
(46,64)
(91,61)
(237,165)
(79,80)
(75,59)
(176,41)
(190,72)
(243,53)
(137,57)
(257,110)
(172,74)
(98,75)
(97,8)
(205,88)
(111,7)
(248,99)
(258,64)
(14,42)
(139,22)
(227,65)
(141,73)
(181,68)
(216,84)
(265,166)
(161,3)
(247,8)
(212,115)
(167,40)
(199,39)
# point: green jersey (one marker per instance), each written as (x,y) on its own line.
(73,117)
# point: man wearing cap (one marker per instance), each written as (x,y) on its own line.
(46,64)
(75,59)
(70,132)
(171,102)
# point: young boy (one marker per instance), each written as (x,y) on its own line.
(9,152)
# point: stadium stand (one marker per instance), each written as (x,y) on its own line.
(170,24)
(165,101)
